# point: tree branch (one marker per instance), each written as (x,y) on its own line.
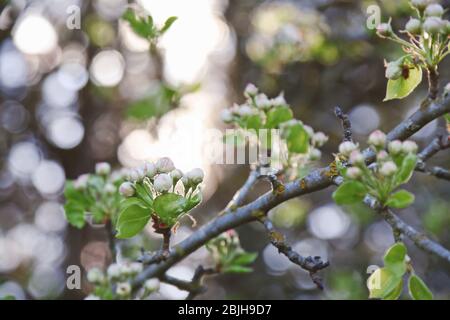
(240,195)
(419,239)
(311,264)
(317,179)
(346,124)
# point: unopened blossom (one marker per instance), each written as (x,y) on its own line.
(95,275)
(149,169)
(319,138)
(152,284)
(226,115)
(123,289)
(195,176)
(382,155)
(315,154)
(377,138)
(356,157)
(250,90)
(388,169)
(102,168)
(126,189)
(409,146)
(262,101)
(163,182)
(113,271)
(81,182)
(395,147)
(176,175)
(347,147)
(354,172)
(164,165)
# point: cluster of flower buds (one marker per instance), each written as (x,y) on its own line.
(117,281)
(429,24)
(162,176)
(387,162)
(225,243)
(256,104)
(394,165)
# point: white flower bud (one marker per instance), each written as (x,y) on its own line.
(123,289)
(263,102)
(434,25)
(163,183)
(414,26)
(245,110)
(126,189)
(388,169)
(95,275)
(135,268)
(133,175)
(102,168)
(384,29)
(356,157)
(279,100)
(319,138)
(382,155)
(409,146)
(176,175)
(92,297)
(226,115)
(354,173)
(395,147)
(113,271)
(393,70)
(377,139)
(315,154)
(125,269)
(347,147)
(151,285)
(434,10)
(149,169)
(164,165)
(195,176)
(81,182)
(447,88)
(250,90)
(110,188)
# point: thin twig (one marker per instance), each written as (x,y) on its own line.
(240,195)
(419,239)
(311,264)
(346,124)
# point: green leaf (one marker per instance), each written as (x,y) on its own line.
(245,258)
(278,115)
(406,169)
(418,290)
(141,26)
(252,122)
(381,283)
(401,199)
(168,24)
(297,138)
(395,294)
(142,192)
(394,259)
(349,192)
(70,193)
(236,269)
(133,218)
(402,87)
(74,212)
(193,202)
(169,207)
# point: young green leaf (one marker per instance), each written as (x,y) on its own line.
(133,218)
(245,258)
(236,269)
(143,193)
(142,27)
(74,212)
(297,138)
(193,202)
(402,87)
(395,294)
(406,169)
(418,290)
(168,24)
(349,192)
(252,122)
(278,115)
(381,283)
(401,199)
(394,259)
(169,206)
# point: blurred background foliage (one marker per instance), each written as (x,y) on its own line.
(72,97)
